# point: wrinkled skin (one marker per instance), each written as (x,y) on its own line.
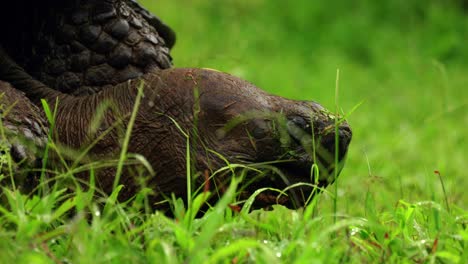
(229,116)
(79,46)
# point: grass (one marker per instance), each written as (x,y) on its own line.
(401,196)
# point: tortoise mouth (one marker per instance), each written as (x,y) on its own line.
(291,184)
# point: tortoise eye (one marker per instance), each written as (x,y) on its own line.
(299,121)
(259,132)
(259,128)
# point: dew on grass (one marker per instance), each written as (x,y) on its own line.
(354,231)
(47,218)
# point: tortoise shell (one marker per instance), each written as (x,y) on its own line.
(80,46)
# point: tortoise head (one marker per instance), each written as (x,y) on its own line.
(238,123)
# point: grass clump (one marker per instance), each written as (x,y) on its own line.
(63,227)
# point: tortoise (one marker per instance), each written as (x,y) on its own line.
(228,121)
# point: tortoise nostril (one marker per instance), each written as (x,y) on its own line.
(345,128)
(344,138)
(344,135)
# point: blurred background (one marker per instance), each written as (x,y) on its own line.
(405,61)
